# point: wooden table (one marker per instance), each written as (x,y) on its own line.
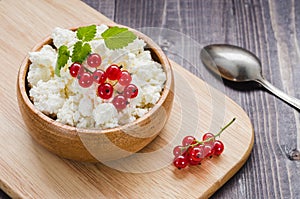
(271,30)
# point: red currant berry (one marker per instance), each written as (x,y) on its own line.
(188,140)
(130,91)
(180,162)
(94,60)
(187,151)
(210,136)
(99,76)
(74,69)
(189,154)
(113,72)
(80,72)
(120,102)
(207,136)
(208,150)
(125,78)
(86,80)
(197,153)
(218,147)
(193,162)
(178,150)
(105,91)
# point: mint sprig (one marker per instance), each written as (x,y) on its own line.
(87,33)
(63,57)
(114,38)
(80,51)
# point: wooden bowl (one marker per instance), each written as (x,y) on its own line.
(91,145)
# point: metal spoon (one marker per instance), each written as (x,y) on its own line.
(239,65)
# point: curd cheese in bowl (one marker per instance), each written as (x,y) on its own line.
(73,120)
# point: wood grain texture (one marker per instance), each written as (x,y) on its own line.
(271,30)
(29,171)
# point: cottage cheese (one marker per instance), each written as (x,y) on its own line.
(81,107)
(42,65)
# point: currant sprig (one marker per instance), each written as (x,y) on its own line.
(106,80)
(193,151)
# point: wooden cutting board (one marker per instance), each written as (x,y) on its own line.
(29,171)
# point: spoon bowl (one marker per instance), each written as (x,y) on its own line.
(232,62)
(240,65)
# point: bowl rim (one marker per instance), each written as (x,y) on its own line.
(72,130)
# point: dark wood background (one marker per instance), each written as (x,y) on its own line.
(268,28)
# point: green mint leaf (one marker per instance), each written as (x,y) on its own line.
(63,57)
(116,37)
(86,33)
(80,51)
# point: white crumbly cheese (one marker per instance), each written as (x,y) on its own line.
(48,96)
(151,94)
(43,64)
(62,36)
(81,107)
(85,106)
(68,113)
(105,115)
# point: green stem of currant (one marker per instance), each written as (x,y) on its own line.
(85,68)
(114,83)
(225,127)
(212,138)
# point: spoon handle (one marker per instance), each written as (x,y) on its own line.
(290,100)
